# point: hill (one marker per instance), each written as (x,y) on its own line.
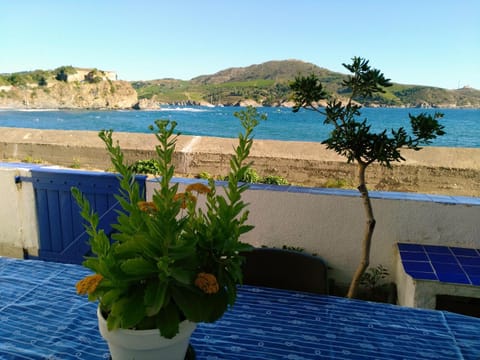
(267,84)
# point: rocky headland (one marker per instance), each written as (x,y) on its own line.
(71,95)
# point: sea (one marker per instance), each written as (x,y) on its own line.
(462,126)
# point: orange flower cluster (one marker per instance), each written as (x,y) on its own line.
(184,198)
(207,283)
(198,187)
(88,284)
(147,206)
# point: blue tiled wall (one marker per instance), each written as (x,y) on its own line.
(441,263)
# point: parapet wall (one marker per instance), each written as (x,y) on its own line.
(328,222)
(434,170)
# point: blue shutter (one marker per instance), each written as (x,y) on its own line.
(62,236)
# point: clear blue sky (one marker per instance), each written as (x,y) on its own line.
(428,42)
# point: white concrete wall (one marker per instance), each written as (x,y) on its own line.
(18,220)
(332,225)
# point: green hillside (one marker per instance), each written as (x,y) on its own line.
(268,85)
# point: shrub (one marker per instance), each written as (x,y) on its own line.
(274,180)
(150,166)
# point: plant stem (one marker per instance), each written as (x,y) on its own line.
(368,231)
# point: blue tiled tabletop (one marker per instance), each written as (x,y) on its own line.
(441,263)
(41,317)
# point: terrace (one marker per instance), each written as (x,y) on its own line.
(321,221)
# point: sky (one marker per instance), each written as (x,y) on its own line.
(424,42)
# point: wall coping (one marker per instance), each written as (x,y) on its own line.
(378,195)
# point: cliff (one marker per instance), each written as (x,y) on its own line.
(70,95)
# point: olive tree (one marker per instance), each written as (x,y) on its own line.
(353,138)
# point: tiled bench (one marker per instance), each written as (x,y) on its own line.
(425,271)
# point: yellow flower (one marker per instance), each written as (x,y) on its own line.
(88,284)
(147,206)
(207,283)
(198,187)
(184,198)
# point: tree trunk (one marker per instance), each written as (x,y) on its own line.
(367,235)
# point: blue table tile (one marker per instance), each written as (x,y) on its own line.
(456,278)
(469,260)
(410,247)
(413,256)
(442,258)
(419,275)
(416,266)
(435,249)
(464,252)
(447,268)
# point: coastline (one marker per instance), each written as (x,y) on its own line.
(434,170)
(160,106)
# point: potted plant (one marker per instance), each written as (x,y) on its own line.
(169,264)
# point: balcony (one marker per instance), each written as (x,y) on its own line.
(327,222)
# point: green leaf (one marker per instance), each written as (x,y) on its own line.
(111,296)
(155,294)
(138,266)
(113,322)
(168,321)
(183,276)
(130,310)
(198,306)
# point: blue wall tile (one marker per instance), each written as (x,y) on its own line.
(455,278)
(443,258)
(410,247)
(416,266)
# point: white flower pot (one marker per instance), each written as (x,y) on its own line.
(145,344)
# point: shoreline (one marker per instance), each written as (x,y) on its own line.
(169,105)
(433,170)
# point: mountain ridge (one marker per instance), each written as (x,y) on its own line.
(267,84)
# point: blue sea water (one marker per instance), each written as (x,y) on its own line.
(462,126)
